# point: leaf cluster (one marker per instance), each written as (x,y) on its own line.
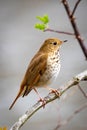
(44,22)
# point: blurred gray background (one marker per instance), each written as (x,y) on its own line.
(19,41)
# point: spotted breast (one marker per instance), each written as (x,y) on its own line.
(52,69)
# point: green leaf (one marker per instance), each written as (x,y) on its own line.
(40,26)
(44,19)
(44,22)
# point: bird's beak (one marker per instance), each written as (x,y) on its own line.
(65,41)
(61,42)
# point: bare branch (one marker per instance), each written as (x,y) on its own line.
(72,116)
(85,94)
(75,7)
(56,31)
(75,28)
(49,98)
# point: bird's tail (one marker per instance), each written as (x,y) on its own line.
(18,95)
(24,91)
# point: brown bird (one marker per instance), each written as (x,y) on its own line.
(42,70)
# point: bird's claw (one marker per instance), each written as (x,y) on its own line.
(57,93)
(43,102)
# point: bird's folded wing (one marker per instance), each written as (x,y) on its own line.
(35,70)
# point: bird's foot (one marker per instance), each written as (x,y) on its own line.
(43,102)
(57,93)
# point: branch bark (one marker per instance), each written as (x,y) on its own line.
(74,25)
(75,7)
(49,98)
(61,32)
(83,92)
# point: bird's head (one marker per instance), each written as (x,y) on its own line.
(51,45)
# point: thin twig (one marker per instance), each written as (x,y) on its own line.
(56,31)
(75,7)
(85,94)
(75,28)
(71,116)
(49,98)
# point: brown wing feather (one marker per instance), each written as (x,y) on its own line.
(35,70)
(37,65)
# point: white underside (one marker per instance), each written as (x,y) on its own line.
(52,72)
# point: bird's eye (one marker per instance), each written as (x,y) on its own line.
(54,43)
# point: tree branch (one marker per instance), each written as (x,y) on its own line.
(85,94)
(56,31)
(75,7)
(49,98)
(74,25)
(77,111)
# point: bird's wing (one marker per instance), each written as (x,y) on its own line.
(35,70)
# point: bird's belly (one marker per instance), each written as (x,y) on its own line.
(50,74)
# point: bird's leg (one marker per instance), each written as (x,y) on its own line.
(41,99)
(53,91)
(38,94)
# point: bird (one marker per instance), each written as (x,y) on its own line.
(42,70)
